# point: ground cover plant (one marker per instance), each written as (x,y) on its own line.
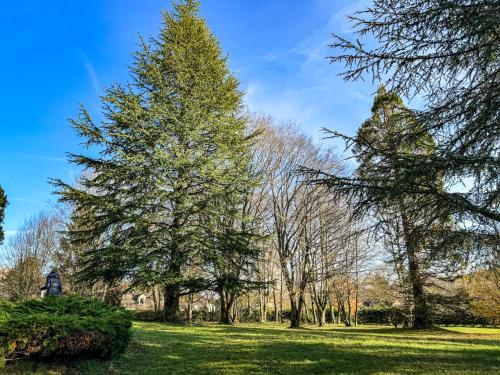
(62,327)
(159,348)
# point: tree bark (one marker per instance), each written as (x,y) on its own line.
(171,304)
(421,316)
(276,318)
(226,307)
(296,311)
(190,308)
(332,313)
(321,311)
(263,310)
(281,296)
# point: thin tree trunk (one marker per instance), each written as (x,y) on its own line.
(275,301)
(306,311)
(315,312)
(262,306)
(321,311)
(281,296)
(190,299)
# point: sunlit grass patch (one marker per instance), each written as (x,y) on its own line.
(159,348)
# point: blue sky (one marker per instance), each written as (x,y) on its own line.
(57,54)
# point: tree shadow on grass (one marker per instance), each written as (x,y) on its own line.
(254,350)
(394,334)
(214,349)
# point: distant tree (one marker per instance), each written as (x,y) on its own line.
(378,290)
(166,151)
(29,255)
(447,52)
(294,207)
(3,204)
(483,287)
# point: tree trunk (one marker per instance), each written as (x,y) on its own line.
(226,307)
(315,312)
(296,311)
(306,312)
(347,321)
(281,296)
(276,317)
(236,311)
(156,301)
(262,305)
(171,304)
(421,316)
(321,315)
(190,308)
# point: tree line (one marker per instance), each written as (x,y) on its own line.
(184,193)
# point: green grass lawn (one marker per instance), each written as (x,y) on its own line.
(274,349)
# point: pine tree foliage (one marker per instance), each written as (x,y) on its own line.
(172,143)
(449,53)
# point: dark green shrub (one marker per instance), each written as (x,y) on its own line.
(374,315)
(253,316)
(63,326)
(147,315)
(454,309)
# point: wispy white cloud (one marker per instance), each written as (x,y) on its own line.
(29,156)
(52,158)
(24,200)
(91,73)
(300,85)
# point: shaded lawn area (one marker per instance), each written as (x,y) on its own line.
(158,348)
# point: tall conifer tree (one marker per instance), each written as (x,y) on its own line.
(377,140)
(170,146)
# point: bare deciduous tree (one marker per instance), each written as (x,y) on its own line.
(29,255)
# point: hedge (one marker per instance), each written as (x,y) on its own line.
(68,326)
(382,315)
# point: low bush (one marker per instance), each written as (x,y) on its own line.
(374,315)
(67,326)
(383,315)
(147,315)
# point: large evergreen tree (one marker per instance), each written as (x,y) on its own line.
(169,147)
(3,204)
